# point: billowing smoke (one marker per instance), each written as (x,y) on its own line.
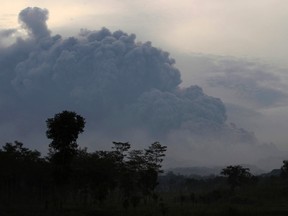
(253,84)
(34,21)
(6,32)
(125,89)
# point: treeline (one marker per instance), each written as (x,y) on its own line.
(71,176)
(89,178)
(124,181)
(235,191)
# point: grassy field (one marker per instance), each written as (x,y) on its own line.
(268,197)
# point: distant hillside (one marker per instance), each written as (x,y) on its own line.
(209,171)
(274,172)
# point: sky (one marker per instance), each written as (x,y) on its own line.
(234,50)
(223,27)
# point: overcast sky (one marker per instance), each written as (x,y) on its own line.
(256,28)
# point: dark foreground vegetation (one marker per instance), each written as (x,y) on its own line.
(124,181)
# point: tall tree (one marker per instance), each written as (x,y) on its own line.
(63,129)
(154,156)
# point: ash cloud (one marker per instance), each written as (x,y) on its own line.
(124,88)
(7,32)
(255,92)
(254,84)
(251,81)
(34,21)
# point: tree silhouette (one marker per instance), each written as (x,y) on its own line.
(237,175)
(16,151)
(154,156)
(284,169)
(63,129)
(20,167)
(153,162)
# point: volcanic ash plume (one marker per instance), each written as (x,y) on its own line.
(118,84)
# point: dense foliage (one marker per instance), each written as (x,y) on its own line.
(237,176)
(73,175)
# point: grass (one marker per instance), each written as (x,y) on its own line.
(269,197)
